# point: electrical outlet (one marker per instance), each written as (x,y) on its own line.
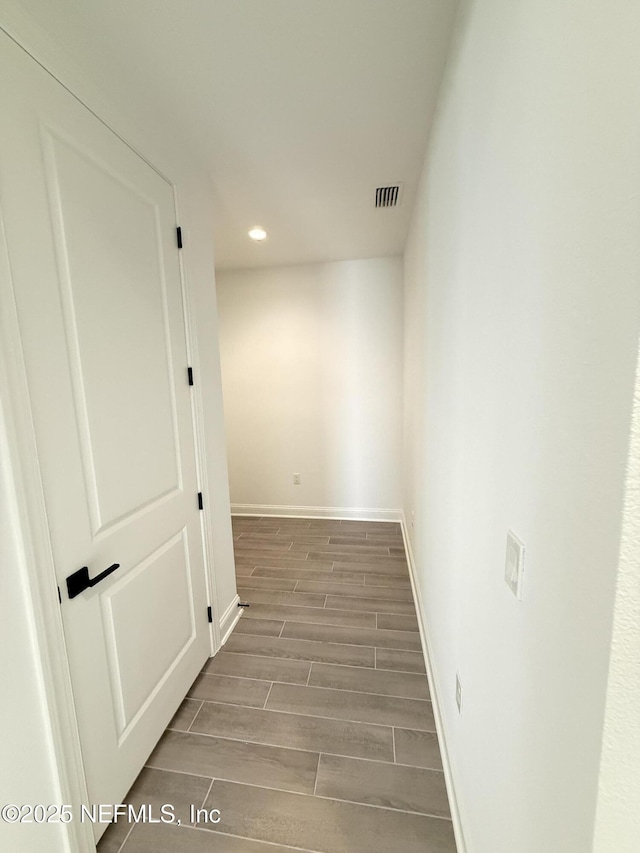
(514,564)
(296,479)
(458,693)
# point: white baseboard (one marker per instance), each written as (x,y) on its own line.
(229,619)
(347,513)
(435,692)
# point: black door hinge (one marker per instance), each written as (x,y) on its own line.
(190,374)
(210,614)
(179,236)
(59,596)
(200,502)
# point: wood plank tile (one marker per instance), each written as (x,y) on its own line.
(237,761)
(386,539)
(371,526)
(366,545)
(371,605)
(379,784)
(407,684)
(420,749)
(351,636)
(231,690)
(386,579)
(315,823)
(154,788)
(261,667)
(244,569)
(242,544)
(309,574)
(260,627)
(161,838)
(386,592)
(298,731)
(400,661)
(367,550)
(315,615)
(349,705)
(244,552)
(351,655)
(394,622)
(286,537)
(269,596)
(185,715)
(298,562)
(363,563)
(257,582)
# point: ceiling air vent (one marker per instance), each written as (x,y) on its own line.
(389,196)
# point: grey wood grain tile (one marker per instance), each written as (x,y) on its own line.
(392,593)
(241,544)
(319,615)
(261,667)
(349,705)
(370,526)
(260,627)
(257,582)
(352,655)
(351,636)
(185,715)
(379,784)
(244,552)
(230,690)
(395,622)
(394,539)
(310,575)
(286,537)
(408,684)
(153,838)
(298,562)
(299,599)
(397,552)
(365,546)
(419,749)
(370,605)
(348,550)
(244,569)
(236,760)
(402,661)
(323,524)
(155,788)
(329,826)
(363,563)
(298,731)
(384,579)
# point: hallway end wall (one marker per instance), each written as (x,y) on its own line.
(312,385)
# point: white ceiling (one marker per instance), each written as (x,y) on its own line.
(300,108)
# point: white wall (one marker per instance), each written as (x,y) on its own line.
(312,383)
(522,310)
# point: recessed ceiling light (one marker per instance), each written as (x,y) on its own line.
(258,233)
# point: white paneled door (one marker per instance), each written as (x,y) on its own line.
(91,236)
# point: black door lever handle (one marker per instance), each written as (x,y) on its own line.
(80,580)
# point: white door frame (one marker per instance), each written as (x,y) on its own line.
(41,582)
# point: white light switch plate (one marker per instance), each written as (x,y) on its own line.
(514,564)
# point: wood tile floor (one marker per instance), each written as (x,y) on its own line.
(312,729)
